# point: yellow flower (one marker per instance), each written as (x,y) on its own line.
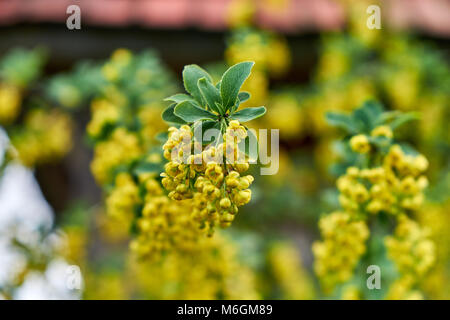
(10,100)
(150,118)
(122,147)
(351,292)
(337,255)
(401,289)
(103,112)
(285,114)
(360,143)
(332,64)
(408,185)
(289,272)
(209,269)
(269,52)
(411,249)
(113,68)
(225,203)
(359,193)
(240,13)
(382,131)
(121,202)
(121,56)
(45,137)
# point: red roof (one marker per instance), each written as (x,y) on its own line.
(429,15)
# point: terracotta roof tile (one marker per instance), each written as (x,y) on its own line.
(429,15)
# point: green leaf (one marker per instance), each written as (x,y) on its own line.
(248,114)
(235,107)
(387,117)
(169,116)
(218,84)
(367,115)
(362,119)
(219,106)
(381,142)
(232,81)
(189,112)
(243,96)
(179,97)
(404,118)
(211,94)
(148,167)
(408,149)
(191,74)
(162,136)
(342,121)
(374,108)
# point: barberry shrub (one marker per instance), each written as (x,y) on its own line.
(380,189)
(208,148)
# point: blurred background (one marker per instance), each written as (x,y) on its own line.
(311,57)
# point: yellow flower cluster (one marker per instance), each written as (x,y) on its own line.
(401,289)
(436,218)
(111,231)
(122,147)
(291,121)
(46,136)
(119,60)
(332,64)
(211,178)
(103,112)
(270,53)
(10,100)
(74,247)
(165,224)
(411,249)
(240,13)
(150,118)
(339,252)
(289,272)
(257,84)
(128,104)
(391,182)
(358,22)
(393,187)
(351,292)
(121,202)
(125,120)
(106,284)
(211,270)
(403,88)
(360,143)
